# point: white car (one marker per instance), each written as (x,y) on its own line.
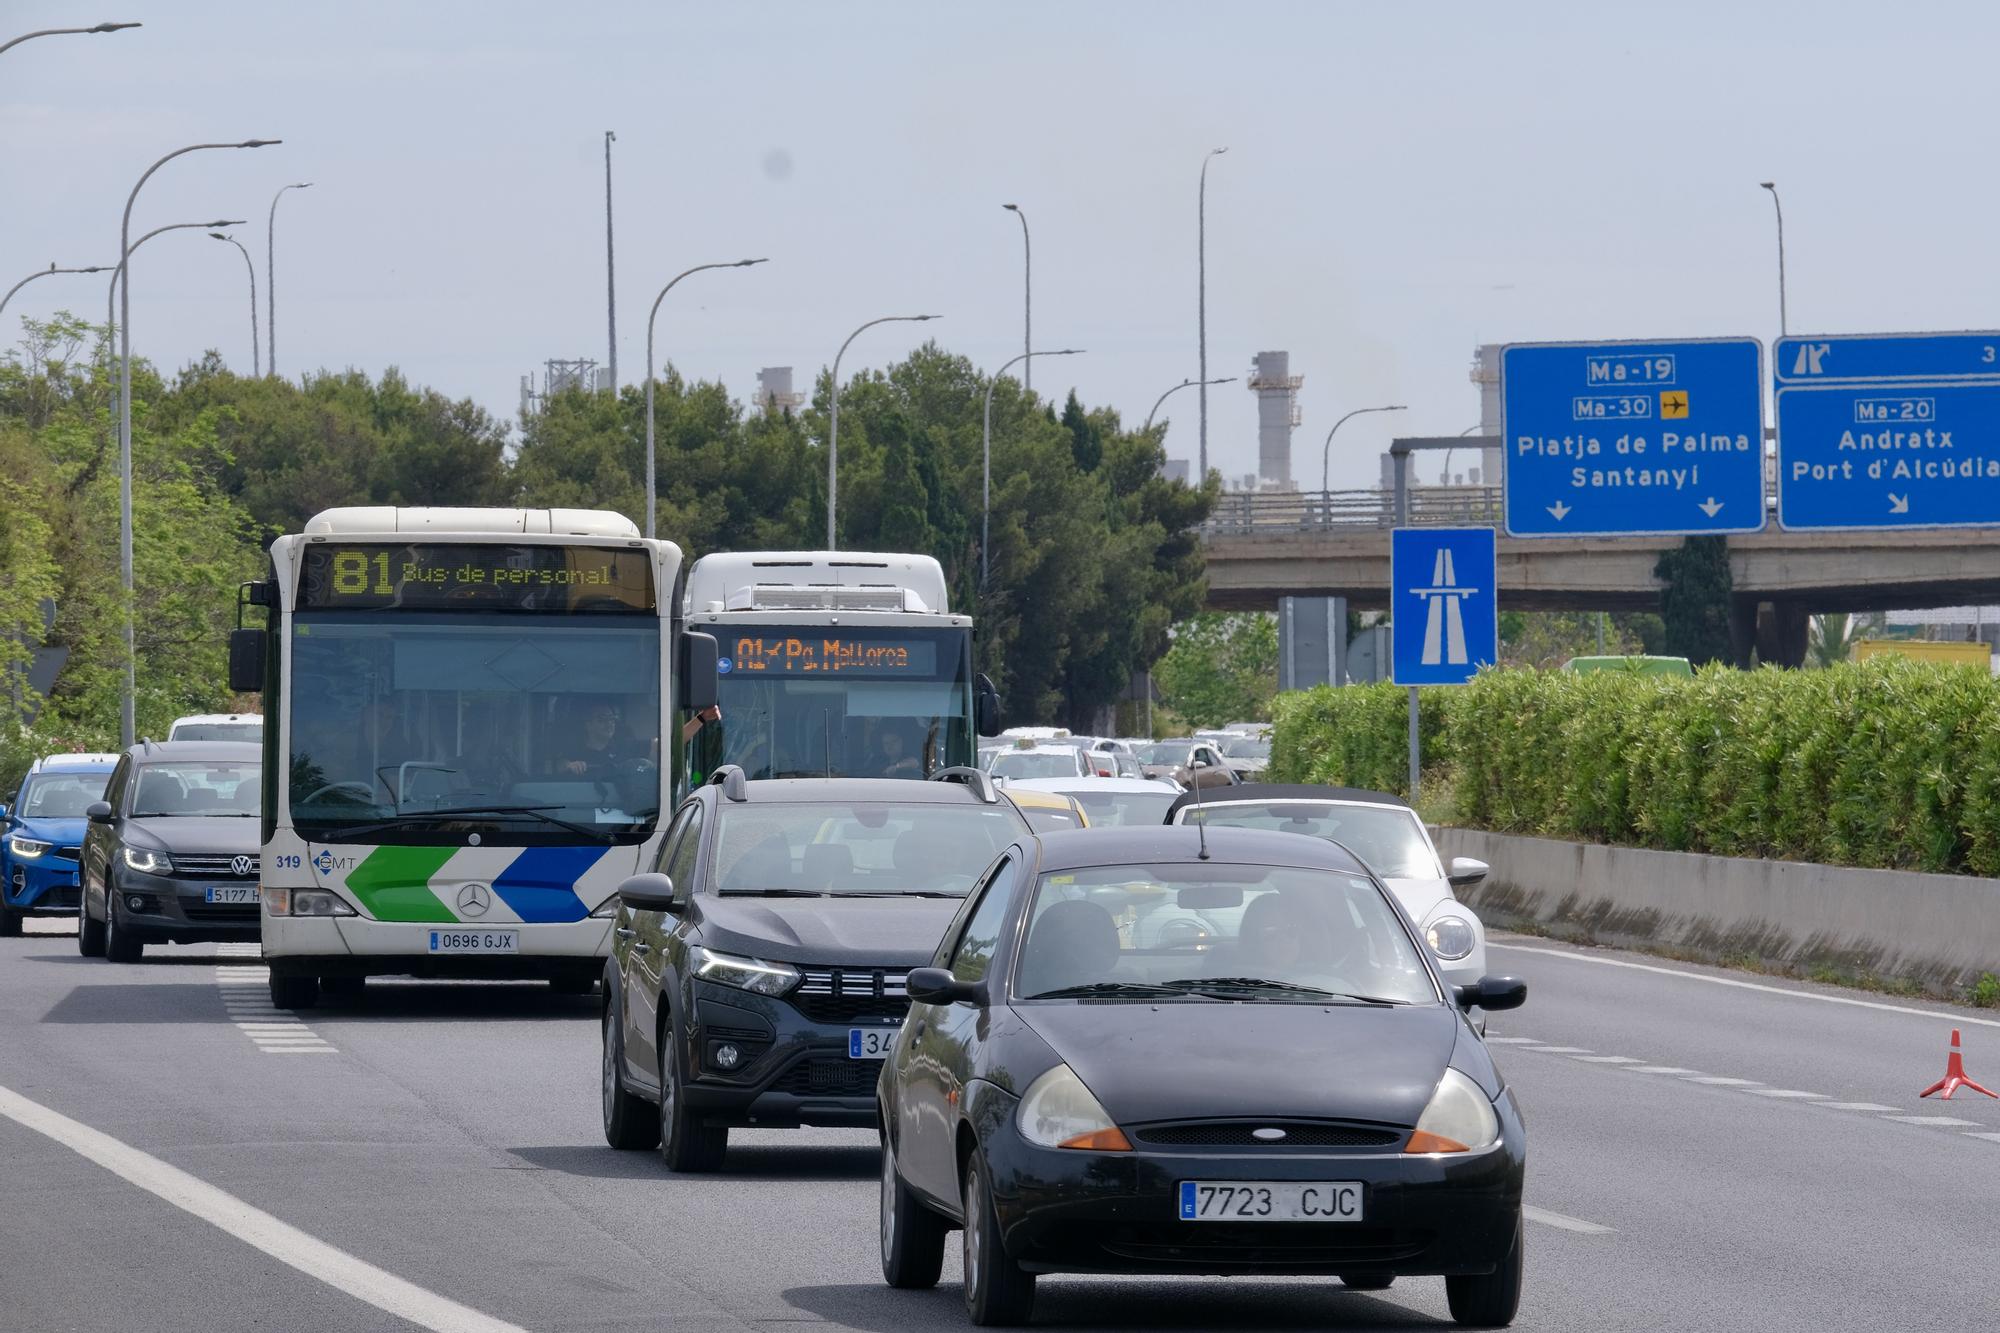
(1385,834)
(218,727)
(1031,760)
(1108,802)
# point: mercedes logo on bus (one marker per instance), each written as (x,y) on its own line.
(474,900)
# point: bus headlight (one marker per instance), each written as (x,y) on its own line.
(305,902)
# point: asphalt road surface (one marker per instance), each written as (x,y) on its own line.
(1707,1150)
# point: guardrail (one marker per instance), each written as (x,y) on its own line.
(1274,511)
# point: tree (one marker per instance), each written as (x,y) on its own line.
(1694,603)
(1222,668)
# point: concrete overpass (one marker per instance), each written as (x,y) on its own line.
(1336,544)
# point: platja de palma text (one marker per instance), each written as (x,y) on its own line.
(1672,460)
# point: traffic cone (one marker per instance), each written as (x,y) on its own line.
(1954,1075)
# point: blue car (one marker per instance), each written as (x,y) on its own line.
(40,834)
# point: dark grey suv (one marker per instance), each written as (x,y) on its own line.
(756,975)
(170,854)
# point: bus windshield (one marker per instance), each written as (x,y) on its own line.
(809,701)
(531,730)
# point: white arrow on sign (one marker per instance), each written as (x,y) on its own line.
(1560,510)
(1898,504)
(1711,506)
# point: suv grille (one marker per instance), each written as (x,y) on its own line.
(1242,1134)
(820,1078)
(213,867)
(851,994)
(66,853)
(222,914)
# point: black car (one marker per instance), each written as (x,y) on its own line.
(1283,1084)
(756,976)
(171,852)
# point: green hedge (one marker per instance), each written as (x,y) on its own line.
(1888,763)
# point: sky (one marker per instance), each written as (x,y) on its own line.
(1403,182)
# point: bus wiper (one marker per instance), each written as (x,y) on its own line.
(1265,985)
(1096,989)
(541,812)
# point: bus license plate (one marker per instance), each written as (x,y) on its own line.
(232,893)
(870,1043)
(475,941)
(1270,1201)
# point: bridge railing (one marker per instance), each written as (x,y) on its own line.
(1274,511)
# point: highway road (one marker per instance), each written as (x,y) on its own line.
(1708,1150)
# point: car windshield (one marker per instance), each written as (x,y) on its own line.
(860,847)
(1035,764)
(1246,747)
(252,732)
(1106,808)
(168,790)
(1172,753)
(61,795)
(1214,931)
(1388,839)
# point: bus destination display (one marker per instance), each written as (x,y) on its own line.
(474,577)
(831,654)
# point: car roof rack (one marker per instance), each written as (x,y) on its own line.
(978,779)
(729,777)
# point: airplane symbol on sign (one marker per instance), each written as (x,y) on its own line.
(1808,359)
(1673,405)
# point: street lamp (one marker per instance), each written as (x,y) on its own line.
(252,270)
(1201,315)
(698,268)
(1772,186)
(1446,479)
(271,275)
(1226,379)
(58,32)
(118,270)
(833,430)
(1326,450)
(986,464)
(127,721)
(1027,298)
(43,273)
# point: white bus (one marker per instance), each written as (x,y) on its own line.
(836,663)
(464,755)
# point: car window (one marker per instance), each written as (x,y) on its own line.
(859,847)
(980,939)
(1388,839)
(686,853)
(1218,931)
(1108,808)
(1036,764)
(60,795)
(1049,818)
(1247,747)
(188,788)
(1166,752)
(114,790)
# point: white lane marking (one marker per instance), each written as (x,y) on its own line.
(1942,1121)
(1492,1040)
(321,1049)
(1990,1138)
(1558,1220)
(246,998)
(1791,1093)
(1659,1069)
(1718,1081)
(1558,1050)
(1605,1059)
(1964,1020)
(1854,1106)
(254,1227)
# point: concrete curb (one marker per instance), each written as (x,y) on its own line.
(1942,931)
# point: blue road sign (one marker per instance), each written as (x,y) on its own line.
(1444,597)
(1886,357)
(1632,438)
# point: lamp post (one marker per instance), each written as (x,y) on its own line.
(1326,450)
(127,720)
(1226,379)
(833,429)
(1027,298)
(43,273)
(271,275)
(59,32)
(986,462)
(698,268)
(251,269)
(118,270)
(611,299)
(1201,309)
(1445,480)
(1772,186)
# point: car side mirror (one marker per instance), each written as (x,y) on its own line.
(6,812)
(986,706)
(651,892)
(98,812)
(1464,872)
(246,661)
(936,985)
(1493,993)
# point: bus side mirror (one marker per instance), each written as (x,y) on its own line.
(246,661)
(698,675)
(986,706)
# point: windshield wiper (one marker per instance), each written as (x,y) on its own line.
(774,893)
(901,893)
(1267,986)
(406,817)
(1094,989)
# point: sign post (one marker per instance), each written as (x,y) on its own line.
(1444,612)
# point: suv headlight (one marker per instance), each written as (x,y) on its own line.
(751,974)
(1060,1112)
(28,849)
(1451,937)
(1459,1118)
(149,862)
(305,902)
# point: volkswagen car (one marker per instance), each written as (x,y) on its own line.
(41,834)
(1296,1091)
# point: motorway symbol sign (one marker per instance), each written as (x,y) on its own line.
(1444,602)
(1632,438)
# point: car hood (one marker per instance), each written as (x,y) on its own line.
(878,932)
(1198,1061)
(58,832)
(220,835)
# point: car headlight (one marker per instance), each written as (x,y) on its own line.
(751,974)
(28,849)
(305,902)
(1059,1112)
(149,862)
(1459,1118)
(1451,937)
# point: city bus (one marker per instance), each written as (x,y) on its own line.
(463,754)
(836,663)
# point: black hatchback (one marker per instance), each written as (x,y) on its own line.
(1162,1051)
(756,976)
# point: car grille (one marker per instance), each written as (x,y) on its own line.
(212,867)
(823,1078)
(1243,1134)
(851,994)
(66,853)
(221,914)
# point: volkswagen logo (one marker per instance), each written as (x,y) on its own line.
(1268,1135)
(243,865)
(474,900)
